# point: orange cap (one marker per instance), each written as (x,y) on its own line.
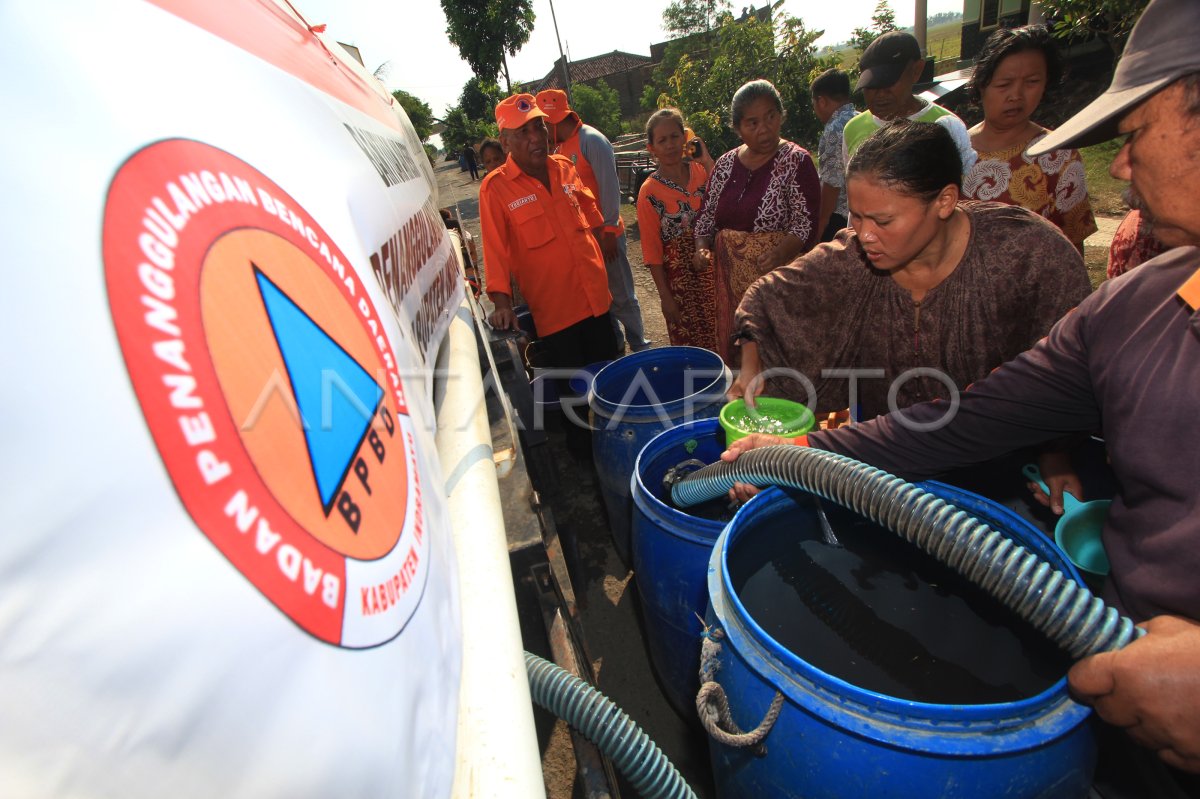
(513,112)
(554,103)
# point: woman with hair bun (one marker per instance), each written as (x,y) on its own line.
(919,281)
(761,207)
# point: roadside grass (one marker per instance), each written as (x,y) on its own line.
(1103,189)
(944,42)
(1096,261)
(1105,193)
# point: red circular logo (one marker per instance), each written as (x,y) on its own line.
(267,381)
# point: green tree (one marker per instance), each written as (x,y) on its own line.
(479,97)
(485,30)
(686,17)
(419,113)
(599,107)
(695,22)
(651,95)
(461,130)
(1112,20)
(944,17)
(656,92)
(796,65)
(882,21)
(781,51)
(703,87)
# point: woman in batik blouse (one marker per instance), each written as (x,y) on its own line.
(1015,68)
(667,206)
(761,207)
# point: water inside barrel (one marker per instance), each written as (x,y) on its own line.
(717,510)
(880,614)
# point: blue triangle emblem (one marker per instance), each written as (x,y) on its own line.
(336,397)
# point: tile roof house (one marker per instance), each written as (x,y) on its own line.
(627,73)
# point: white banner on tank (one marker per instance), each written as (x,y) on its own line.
(228,568)
(270,388)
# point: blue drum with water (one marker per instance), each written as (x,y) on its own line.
(864,714)
(636,397)
(671,549)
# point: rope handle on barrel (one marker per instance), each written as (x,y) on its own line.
(712,705)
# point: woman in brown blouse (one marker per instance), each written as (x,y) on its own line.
(919,281)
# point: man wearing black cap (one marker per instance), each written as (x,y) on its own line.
(890,66)
(1125,362)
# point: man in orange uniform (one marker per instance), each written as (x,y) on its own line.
(591,154)
(541,228)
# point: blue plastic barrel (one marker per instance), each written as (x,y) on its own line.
(635,398)
(834,739)
(581,382)
(671,549)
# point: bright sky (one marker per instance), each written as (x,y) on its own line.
(411,35)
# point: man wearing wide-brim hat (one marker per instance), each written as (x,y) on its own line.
(1125,363)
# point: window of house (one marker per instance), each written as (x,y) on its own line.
(990,14)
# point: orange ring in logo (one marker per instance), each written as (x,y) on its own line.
(270,388)
(254,375)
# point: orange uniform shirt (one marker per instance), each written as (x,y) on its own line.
(542,238)
(571,149)
(680,209)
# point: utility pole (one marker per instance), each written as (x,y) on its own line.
(921,23)
(561,57)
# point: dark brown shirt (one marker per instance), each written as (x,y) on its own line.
(830,309)
(1126,361)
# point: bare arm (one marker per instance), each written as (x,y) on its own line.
(782,253)
(705,159)
(747,386)
(666,299)
(829,201)
(703,258)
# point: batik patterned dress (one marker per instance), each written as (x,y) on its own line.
(833,310)
(1052,185)
(666,213)
(781,197)
(1131,245)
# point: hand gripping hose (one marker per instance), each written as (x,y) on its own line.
(1060,608)
(608,727)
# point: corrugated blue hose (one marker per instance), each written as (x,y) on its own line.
(608,727)
(1066,612)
